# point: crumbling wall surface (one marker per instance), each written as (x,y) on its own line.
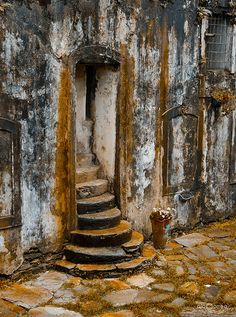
(218,99)
(169,143)
(167,150)
(30,94)
(219,195)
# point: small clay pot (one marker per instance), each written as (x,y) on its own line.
(160,230)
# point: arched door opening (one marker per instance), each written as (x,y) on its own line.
(96,87)
(101,235)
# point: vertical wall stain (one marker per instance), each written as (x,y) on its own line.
(164,82)
(150,33)
(125,126)
(64,158)
(164,77)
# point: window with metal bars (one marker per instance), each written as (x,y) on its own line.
(218,42)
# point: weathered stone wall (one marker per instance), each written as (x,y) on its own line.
(169,140)
(35,91)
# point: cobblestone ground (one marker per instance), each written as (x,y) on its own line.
(194,276)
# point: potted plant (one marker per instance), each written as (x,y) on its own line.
(161,221)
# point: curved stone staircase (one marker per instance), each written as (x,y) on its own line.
(103,243)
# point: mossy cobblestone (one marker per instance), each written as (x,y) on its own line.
(194,280)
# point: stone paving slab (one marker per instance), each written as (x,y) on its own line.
(51,280)
(10,310)
(117,284)
(167,287)
(177,303)
(208,312)
(218,233)
(134,296)
(204,270)
(51,311)
(210,293)
(229,254)
(70,294)
(189,288)
(141,280)
(26,296)
(230,297)
(218,246)
(221,268)
(123,313)
(190,255)
(192,239)
(204,252)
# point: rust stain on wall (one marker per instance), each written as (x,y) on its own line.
(125,118)
(64,162)
(226,99)
(150,33)
(164,78)
(164,82)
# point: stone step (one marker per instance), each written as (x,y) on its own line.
(85,159)
(100,220)
(103,238)
(86,174)
(135,244)
(132,264)
(91,189)
(147,256)
(125,252)
(96,204)
(103,255)
(94,269)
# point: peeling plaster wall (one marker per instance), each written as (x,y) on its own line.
(219,196)
(29,95)
(105,120)
(83,126)
(159,70)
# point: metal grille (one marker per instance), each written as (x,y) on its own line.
(217,42)
(223,3)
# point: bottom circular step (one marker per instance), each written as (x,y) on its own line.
(82,255)
(127,251)
(90,270)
